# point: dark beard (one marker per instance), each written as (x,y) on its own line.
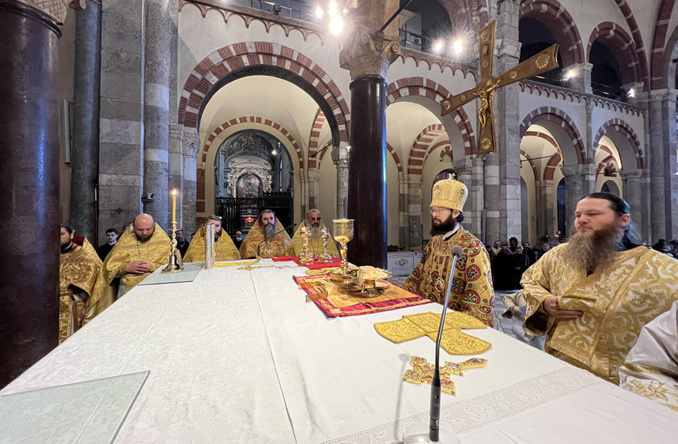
(144,238)
(595,251)
(66,248)
(445,226)
(217,235)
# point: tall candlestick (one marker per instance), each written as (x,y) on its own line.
(174,205)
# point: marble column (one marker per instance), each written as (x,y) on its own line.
(464,170)
(340,155)
(403,215)
(580,180)
(415,211)
(503,204)
(477,190)
(636,188)
(190,145)
(546,212)
(175,129)
(313,189)
(662,160)
(29,184)
(120,115)
(156,110)
(85,152)
(367,55)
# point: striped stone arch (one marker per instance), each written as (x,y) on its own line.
(603,163)
(399,165)
(532,165)
(552,165)
(422,87)
(239,55)
(420,148)
(624,129)
(556,18)
(622,46)
(637,40)
(469,11)
(560,118)
(314,140)
(659,55)
(447,150)
(202,154)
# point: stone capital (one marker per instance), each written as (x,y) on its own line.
(633,174)
(507,47)
(463,166)
(414,179)
(190,142)
(663,94)
(368,52)
(587,169)
(57,9)
(340,155)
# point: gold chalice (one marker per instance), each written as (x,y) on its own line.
(343,233)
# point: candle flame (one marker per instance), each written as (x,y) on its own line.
(174,192)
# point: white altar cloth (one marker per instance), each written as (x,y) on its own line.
(239,356)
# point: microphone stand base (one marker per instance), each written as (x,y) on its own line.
(419,433)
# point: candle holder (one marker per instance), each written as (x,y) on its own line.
(209,246)
(173,266)
(343,233)
(306,256)
(325,257)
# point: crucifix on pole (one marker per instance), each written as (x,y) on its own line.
(546,60)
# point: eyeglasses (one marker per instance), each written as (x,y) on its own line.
(439,211)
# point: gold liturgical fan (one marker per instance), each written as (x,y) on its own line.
(488,84)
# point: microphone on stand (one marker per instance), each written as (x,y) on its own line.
(269,238)
(434,425)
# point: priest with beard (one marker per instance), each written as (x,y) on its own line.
(139,252)
(314,222)
(79,266)
(472,292)
(223,245)
(266,235)
(592,296)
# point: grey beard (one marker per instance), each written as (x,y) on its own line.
(269,230)
(595,251)
(316,232)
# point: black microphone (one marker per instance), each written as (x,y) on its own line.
(269,238)
(434,425)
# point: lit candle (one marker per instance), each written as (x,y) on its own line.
(174,206)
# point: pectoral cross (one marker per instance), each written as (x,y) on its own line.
(488,84)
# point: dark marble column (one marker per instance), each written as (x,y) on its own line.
(85,153)
(367,171)
(29,187)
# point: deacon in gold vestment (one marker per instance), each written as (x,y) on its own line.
(472,290)
(266,227)
(138,253)
(314,222)
(224,246)
(79,266)
(593,295)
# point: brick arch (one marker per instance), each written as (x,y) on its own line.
(637,40)
(624,129)
(560,118)
(603,164)
(447,151)
(422,87)
(314,139)
(556,18)
(420,148)
(395,158)
(623,48)
(532,165)
(659,56)
(469,11)
(551,165)
(239,55)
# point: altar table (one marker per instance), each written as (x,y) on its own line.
(240,356)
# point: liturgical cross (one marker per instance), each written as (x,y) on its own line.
(488,84)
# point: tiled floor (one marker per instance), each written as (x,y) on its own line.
(503,324)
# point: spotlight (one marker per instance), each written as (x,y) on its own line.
(332,8)
(632,93)
(438,46)
(458,46)
(571,74)
(274,152)
(336,26)
(319,12)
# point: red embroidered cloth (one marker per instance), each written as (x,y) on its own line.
(338,302)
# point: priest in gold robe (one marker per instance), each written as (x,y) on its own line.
(313,222)
(141,250)
(472,291)
(267,235)
(593,295)
(79,266)
(223,245)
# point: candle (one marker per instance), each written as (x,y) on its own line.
(174,206)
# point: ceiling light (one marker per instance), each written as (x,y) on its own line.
(632,93)
(438,46)
(458,46)
(336,26)
(332,8)
(319,12)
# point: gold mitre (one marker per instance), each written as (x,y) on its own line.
(449,193)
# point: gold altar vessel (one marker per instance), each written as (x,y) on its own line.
(343,233)
(369,276)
